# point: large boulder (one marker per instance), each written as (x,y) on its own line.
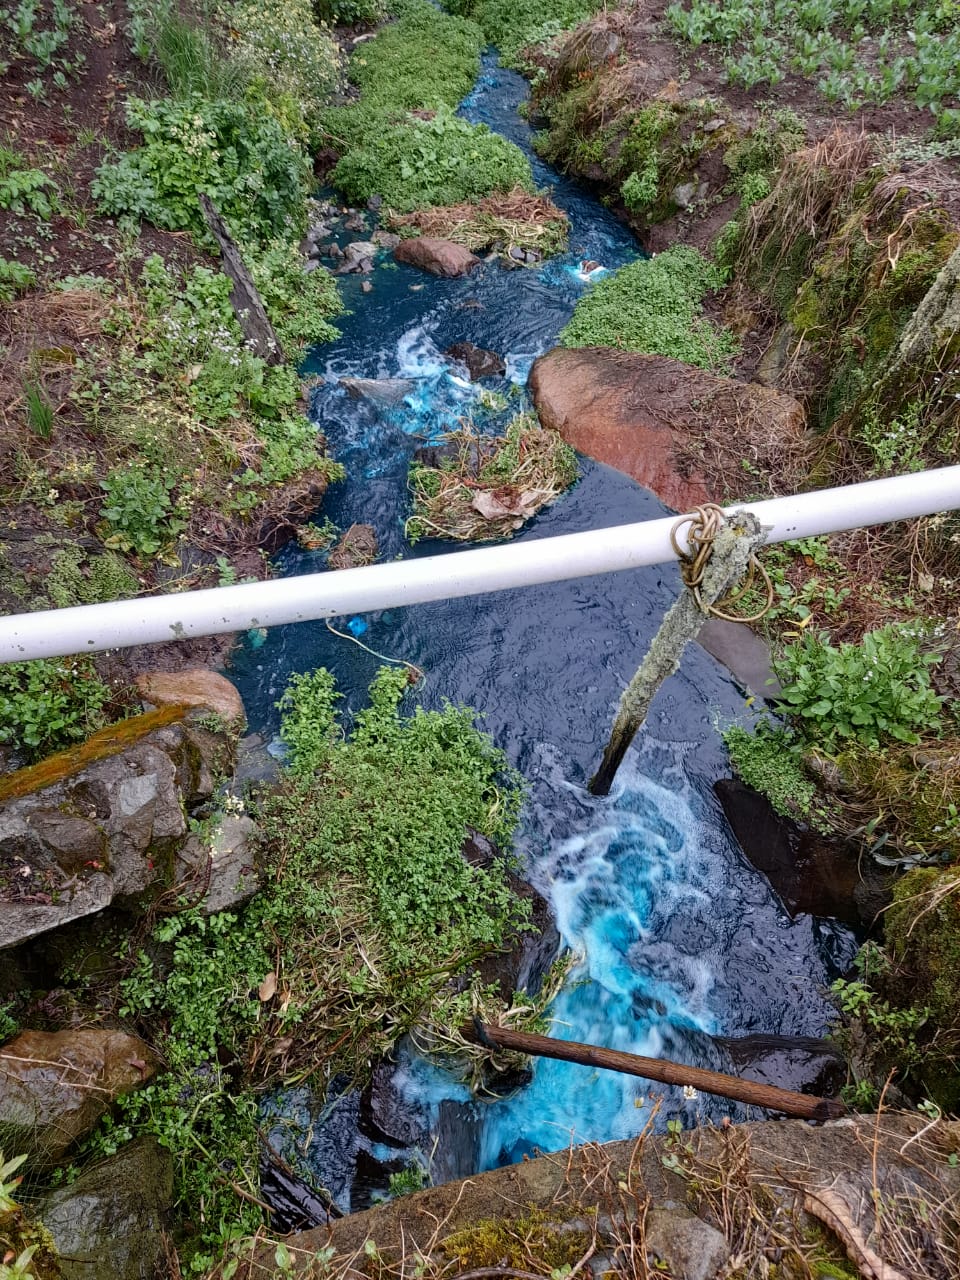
(439,257)
(103,822)
(109,1224)
(55,1086)
(651,417)
(196,687)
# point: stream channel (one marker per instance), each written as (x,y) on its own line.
(681,938)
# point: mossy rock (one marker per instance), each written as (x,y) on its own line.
(531,1241)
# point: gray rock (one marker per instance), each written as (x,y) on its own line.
(689,1248)
(254,763)
(713,125)
(357,252)
(355,222)
(385,239)
(310,266)
(233,870)
(366,287)
(108,1225)
(684,194)
(479,362)
(375,203)
(109,830)
(385,391)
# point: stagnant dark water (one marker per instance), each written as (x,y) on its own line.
(681,939)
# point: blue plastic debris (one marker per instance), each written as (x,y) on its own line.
(356,626)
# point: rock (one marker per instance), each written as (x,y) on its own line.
(383,391)
(439,257)
(779,355)
(332,250)
(254,763)
(684,194)
(809,872)
(517,254)
(480,362)
(800,1063)
(646,415)
(226,865)
(527,956)
(590,46)
(366,287)
(357,257)
(375,203)
(355,222)
(109,1224)
(197,687)
(102,822)
(385,239)
(713,125)
(685,1245)
(358,546)
(55,1086)
(743,653)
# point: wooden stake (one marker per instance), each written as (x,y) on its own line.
(802,1105)
(244,295)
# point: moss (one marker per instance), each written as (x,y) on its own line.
(108,742)
(923,931)
(528,1242)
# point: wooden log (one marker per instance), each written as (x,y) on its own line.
(244,295)
(802,1105)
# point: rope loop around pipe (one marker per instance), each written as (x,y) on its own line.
(705,522)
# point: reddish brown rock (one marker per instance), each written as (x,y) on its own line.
(652,418)
(198,687)
(439,257)
(55,1086)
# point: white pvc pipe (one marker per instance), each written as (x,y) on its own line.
(92,628)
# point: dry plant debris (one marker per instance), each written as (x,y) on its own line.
(490,485)
(515,220)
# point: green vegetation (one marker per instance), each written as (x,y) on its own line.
(367,911)
(241,158)
(654,306)
(441,161)
(425,62)
(878,689)
(14,278)
(34,40)
(24,189)
(512,25)
(857,51)
(48,704)
(768,760)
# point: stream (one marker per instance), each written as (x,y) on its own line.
(680,939)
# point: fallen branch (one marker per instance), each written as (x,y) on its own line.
(801,1105)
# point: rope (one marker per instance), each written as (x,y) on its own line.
(705,523)
(416,673)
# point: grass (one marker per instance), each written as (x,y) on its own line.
(512,25)
(515,220)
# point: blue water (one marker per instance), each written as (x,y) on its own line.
(679,937)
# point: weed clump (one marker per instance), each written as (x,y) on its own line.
(654,306)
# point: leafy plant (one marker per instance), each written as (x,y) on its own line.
(770,760)
(877,689)
(25,190)
(236,154)
(654,306)
(47,704)
(14,279)
(139,509)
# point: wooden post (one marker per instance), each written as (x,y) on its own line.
(802,1105)
(244,295)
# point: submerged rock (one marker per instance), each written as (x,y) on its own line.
(358,546)
(439,257)
(55,1086)
(385,391)
(810,873)
(109,1224)
(480,363)
(800,1063)
(647,415)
